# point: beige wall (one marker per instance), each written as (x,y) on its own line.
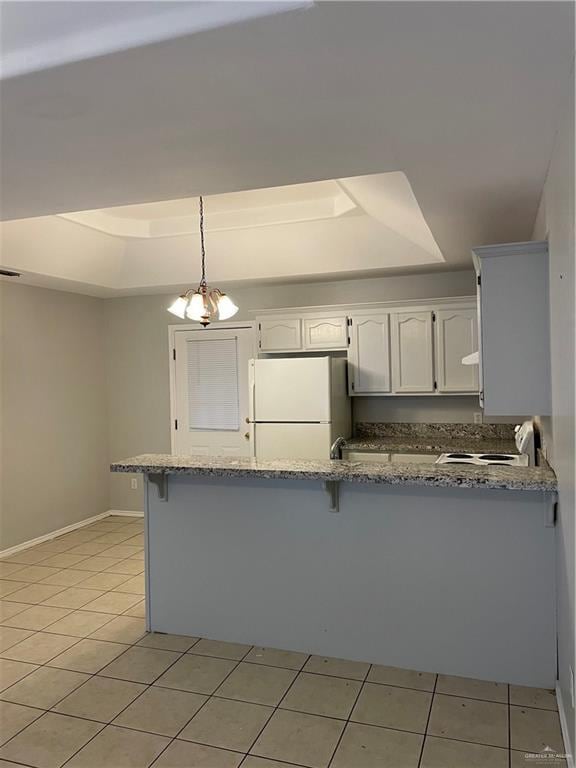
(137,353)
(53,411)
(555,222)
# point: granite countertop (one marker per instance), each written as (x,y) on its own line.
(429,444)
(431,475)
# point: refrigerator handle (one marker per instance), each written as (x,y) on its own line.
(251,405)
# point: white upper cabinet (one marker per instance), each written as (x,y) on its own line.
(456,336)
(280,334)
(412,352)
(369,354)
(325,333)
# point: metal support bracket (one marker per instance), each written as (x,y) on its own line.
(332,488)
(160,480)
(550,511)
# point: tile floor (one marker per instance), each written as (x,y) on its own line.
(83,685)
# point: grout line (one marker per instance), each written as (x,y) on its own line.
(428,720)
(362,686)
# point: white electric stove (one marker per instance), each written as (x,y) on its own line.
(524,442)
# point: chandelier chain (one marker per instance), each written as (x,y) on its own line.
(202,247)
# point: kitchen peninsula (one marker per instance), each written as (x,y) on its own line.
(442,568)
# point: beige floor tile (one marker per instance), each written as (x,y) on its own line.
(96,564)
(139,557)
(404,678)
(32,573)
(541,698)
(275,657)
(7,609)
(53,547)
(446,753)
(257,684)
(75,597)
(8,568)
(122,629)
(49,741)
(183,754)
(364,746)
(79,623)
(138,610)
(14,717)
(12,671)
(36,617)
(482,722)
(44,687)
(137,540)
(9,587)
(39,648)
(472,689)
(164,642)
(297,738)
(222,650)
(80,536)
(199,674)
(64,560)
(66,578)
(525,760)
(9,636)
(100,698)
(322,695)
(120,748)
(161,710)
(227,724)
(112,602)
(128,567)
(122,550)
(89,549)
(531,730)
(324,665)
(140,665)
(392,707)
(104,580)
(263,762)
(88,655)
(135,586)
(27,556)
(33,593)
(114,538)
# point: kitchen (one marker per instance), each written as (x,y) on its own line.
(304,442)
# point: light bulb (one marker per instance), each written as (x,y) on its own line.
(226,307)
(178,307)
(196,308)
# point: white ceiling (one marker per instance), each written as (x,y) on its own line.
(463,98)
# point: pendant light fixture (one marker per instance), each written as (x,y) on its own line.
(203,304)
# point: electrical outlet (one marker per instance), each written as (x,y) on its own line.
(477,417)
(134,483)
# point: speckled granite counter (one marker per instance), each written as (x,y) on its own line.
(454,475)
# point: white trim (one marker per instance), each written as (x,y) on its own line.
(324,310)
(564,727)
(67,529)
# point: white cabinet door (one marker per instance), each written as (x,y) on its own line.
(280,334)
(325,333)
(412,354)
(456,337)
(369,354)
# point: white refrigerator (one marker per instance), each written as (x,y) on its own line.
(298,406)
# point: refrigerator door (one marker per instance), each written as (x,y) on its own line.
(292,389)
(292,441)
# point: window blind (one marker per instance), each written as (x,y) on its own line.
(213,400)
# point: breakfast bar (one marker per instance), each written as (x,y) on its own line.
(445,568)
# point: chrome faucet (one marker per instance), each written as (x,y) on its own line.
(336,448)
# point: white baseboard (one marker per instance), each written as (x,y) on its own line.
(564,727)
(125,513)
(68,529)
(52,534)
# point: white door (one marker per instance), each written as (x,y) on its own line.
(369,354)
(456,337)
(325,333)
(292,441)
(292,389)
(210,392)
(280,334)
(412,354)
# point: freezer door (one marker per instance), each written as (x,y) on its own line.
(292,389)
(292,441)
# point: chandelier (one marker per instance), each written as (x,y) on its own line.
(203,304)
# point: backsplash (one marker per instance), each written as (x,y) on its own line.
(401,429)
